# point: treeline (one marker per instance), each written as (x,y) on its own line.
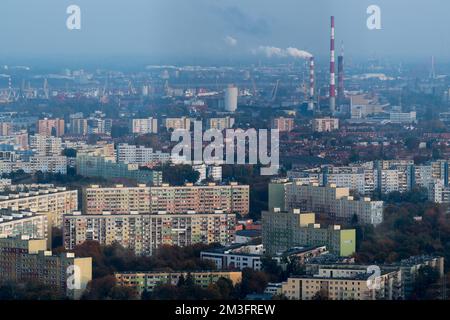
(408,229)
(115,258)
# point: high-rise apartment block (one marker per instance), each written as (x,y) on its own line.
(79,126)
(221,123)
(25,259)
(283,124)
(51,127)
(325,124)
(141,155)
(92,166)
(25,223)
(54,201)
(329,200)
(183,123)
(144,126)
(232,198)
(144,233)
(283,230)
(44,145)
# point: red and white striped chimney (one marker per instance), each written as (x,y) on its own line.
(332,70)
(311,84)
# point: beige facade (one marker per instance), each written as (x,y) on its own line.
(147,281)
(55,201)
(325,124)
(143,233)
(22,259)
(339,284)
(232,198)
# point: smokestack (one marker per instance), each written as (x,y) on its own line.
(311,84)
(341,75)
(332,71)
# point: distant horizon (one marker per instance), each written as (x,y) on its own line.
(179,30)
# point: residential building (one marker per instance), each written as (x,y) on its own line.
(235,257)
(325,124)
(221,123)
(91,166)
(338,284)
(25,223)
(79,126)
(141,155)
(232,198)
(183,123)
(144,126)
(326,200)
(25,259)
(283,124)
(144,233)
(284,230)
(51,127)
(55,201)
(147,281)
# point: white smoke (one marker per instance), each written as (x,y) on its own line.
(271,52)
(229,40)
(297,53)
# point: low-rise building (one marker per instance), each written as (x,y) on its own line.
(148,281)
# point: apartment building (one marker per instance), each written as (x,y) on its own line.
(6,128)
(235,257)
(25,259)
(79,126)
(93,166)
(178,123)
(54,201)
(51,127)
(284,230)
(144,233)
(347,284)
(147,281)
(283,124)
(43,145)
(233,198)
(140,155)
(53,164)
(325,124)
(409,269)
(327,200)
(117,200)
(25,223)
(221,123)
(144,126)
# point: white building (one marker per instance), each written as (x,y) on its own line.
(231,98)
(325,124)
(132,154)
(46,145)
(403,117)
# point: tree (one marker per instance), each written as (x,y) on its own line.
(426,277)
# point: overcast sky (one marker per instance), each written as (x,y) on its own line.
(221,28)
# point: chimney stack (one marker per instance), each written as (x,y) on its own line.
(332,71)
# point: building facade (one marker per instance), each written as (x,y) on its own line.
(144,233)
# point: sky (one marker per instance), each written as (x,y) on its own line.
(170,30)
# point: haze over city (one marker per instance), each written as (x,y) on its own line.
(209,30)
